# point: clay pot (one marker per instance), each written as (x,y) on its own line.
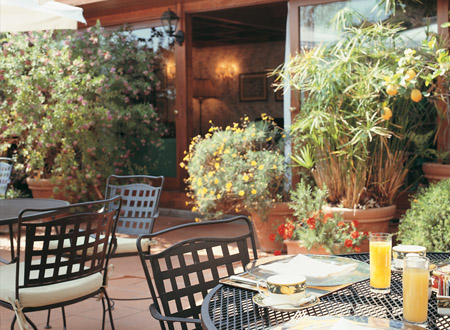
(263,229)
(374,220)
(296,247)
(43,188)
(435,172)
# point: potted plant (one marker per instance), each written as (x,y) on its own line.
(314,231)
(76,107)
(365,96)
(239,168)
(426,223)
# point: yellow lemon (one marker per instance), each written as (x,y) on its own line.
(387,113)
(410,75)
(416,95)
(391,90)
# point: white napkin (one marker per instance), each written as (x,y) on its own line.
(309,267)
(344,324)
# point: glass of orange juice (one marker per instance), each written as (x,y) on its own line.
(380,262)
(415,288)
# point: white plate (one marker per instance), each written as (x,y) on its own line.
(362,271)
(262,301)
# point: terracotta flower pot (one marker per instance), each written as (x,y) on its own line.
(43,188)
(277,216)
(296,247)
(370,220)
(435,172)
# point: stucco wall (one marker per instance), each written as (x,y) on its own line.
(248,58)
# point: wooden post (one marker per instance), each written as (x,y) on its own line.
(443,134)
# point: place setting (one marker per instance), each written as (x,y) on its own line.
(294,282)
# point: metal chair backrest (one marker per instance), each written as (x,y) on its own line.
(182,274)
(140,199)
(6,166)
(82,232)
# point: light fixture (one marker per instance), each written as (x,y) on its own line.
(169,20)
(226,70)
(203,89)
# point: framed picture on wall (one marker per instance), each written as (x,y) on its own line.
(252,87)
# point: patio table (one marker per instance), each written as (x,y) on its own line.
(10,208)
(227,307)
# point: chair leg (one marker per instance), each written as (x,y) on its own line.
(13,322)
(63,311)
(48,326)
(105,297)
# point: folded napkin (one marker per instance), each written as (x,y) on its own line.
(309,267)
(344,324)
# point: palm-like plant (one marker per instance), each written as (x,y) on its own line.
(354,128)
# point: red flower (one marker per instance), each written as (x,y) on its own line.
(366,233)
(355,223)
(357,249)
(326,217)
(348,243)
(355,234)
(311,223)
(341,224)
(272,237)
(277,253)
(281,229)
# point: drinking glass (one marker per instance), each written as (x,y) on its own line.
(415,288)
(380,262)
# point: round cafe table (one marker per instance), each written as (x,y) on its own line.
(10,208)
(228,307)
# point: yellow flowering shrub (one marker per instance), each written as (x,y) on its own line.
(241,165)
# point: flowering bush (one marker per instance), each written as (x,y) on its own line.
(78,105)
(239,165)
(315,227)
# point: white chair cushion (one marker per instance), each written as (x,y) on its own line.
(48,294)
(124,244)
(128,244)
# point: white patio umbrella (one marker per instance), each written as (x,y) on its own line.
(34,15)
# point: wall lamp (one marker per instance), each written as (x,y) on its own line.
(226,70)
(169,21)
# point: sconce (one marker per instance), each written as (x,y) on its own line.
(171,70)
(226,70)
(169,21)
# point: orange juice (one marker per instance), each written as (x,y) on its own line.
(415,294)
(380,265)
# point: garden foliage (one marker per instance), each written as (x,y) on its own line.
(78,105)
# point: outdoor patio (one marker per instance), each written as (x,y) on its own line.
(128,281)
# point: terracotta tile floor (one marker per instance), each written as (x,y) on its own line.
(128,281)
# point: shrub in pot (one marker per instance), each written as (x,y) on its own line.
(427,222)
(313,228)
(239,168)
(366,95)
(77,106)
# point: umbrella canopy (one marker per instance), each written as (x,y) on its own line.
(34,15)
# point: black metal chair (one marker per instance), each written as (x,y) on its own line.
(6,166)
(47,276)
(140,200)
(180,276)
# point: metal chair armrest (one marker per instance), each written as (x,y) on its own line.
(157,315)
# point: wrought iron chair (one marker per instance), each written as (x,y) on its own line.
(6,166)
(140,199)
(180,276)
(75,269)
